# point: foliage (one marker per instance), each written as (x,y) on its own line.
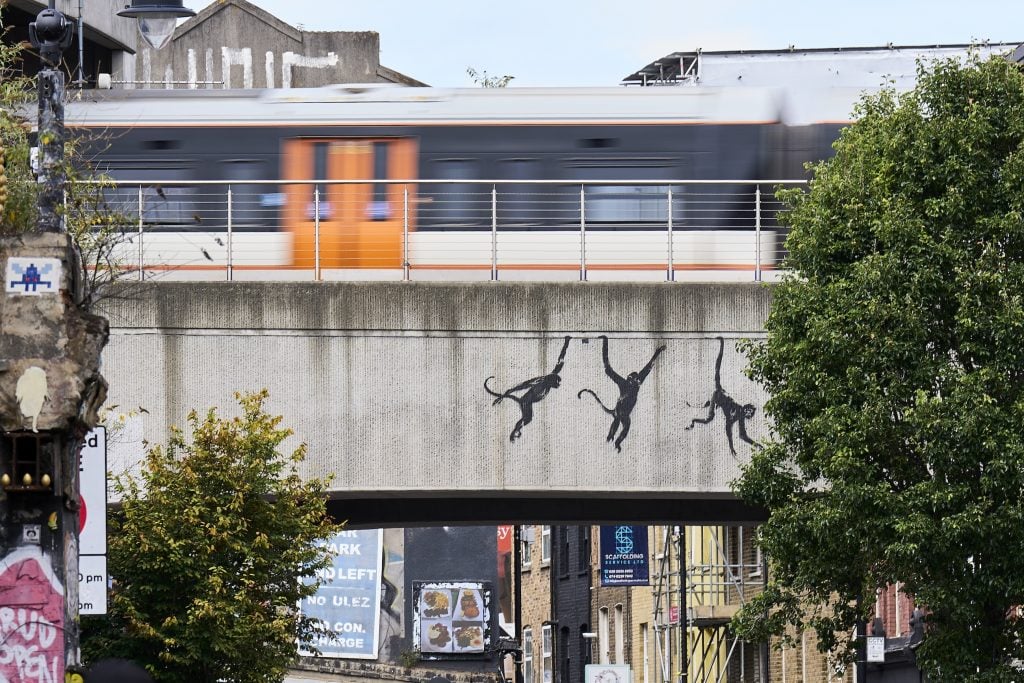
(484,81)
(895,367)
(212,552)
(96,227)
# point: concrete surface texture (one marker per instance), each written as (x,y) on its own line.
(385,382)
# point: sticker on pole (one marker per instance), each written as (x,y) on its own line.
(32,276)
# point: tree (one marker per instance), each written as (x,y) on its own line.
(213,550)
(485,81)
(895,366)
(97,227)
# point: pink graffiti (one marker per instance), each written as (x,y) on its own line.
(31,619)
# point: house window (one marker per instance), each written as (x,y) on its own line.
(602,636)
(620,636)
(528,655)
(526,550)
(545,545)
(547,654)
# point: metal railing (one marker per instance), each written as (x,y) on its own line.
(451,229)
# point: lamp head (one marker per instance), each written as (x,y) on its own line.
(156,19)
(51,34)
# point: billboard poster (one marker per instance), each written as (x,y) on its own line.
(348,600)
(624,559)
(451,618)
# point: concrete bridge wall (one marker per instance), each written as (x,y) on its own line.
(385,382)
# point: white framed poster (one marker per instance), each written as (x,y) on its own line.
(451,618)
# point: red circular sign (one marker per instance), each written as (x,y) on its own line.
(82,514)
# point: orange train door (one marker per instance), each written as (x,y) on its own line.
(361,226)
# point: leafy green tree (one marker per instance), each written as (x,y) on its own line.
(894,359)
(484,81)
(212,552)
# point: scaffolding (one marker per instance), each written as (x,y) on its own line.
(722,568)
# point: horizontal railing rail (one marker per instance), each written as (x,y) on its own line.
(450,229)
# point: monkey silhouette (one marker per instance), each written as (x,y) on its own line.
(533,391)
(732,411)
(629,387)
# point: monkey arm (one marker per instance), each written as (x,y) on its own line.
(561,356)
(650,364)
(608,366)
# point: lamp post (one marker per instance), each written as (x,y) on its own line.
(156,18)
(72,329)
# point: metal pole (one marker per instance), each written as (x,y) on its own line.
(517,576)
(142,262)
(230,268)
(51,148)
(671,245)
(757,233)
(583,234)
(316,232)
(494,232)
(684,640)
(81,47)
(406,269)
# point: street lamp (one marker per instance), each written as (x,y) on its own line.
(157,19)
(51,34)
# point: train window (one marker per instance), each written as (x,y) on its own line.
(520,204)
(597,143)
(163,205)
(623,203)
(247,200)
(161,145)
(457,205)
(320,152)
(379,209)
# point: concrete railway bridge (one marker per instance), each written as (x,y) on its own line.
(465,403)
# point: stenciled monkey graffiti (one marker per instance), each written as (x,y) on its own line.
(533,391)
(528,393)
(629,388)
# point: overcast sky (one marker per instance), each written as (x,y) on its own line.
(598,42)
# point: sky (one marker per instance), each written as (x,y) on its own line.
(599,42)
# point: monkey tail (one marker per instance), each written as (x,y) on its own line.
(491,391)
(603,406)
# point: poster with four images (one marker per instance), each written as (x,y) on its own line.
(452,618)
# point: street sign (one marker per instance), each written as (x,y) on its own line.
(92,518)
(92,584)
(876,649)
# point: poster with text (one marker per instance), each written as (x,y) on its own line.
(624,559)
(348,600)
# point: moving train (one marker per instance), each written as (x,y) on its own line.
(382,180)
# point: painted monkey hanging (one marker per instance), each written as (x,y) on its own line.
(534,390)
(629,387)
(732,411)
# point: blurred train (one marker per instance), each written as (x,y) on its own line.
(458,180)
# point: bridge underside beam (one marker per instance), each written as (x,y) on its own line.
(412,512)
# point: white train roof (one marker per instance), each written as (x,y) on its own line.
(390,105)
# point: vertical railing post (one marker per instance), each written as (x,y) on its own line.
(142,255)
(230,268)
(316,233)
(757,233)
(671,245)
(406,268)
(583,233)
(494,232)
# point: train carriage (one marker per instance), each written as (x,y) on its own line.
(379,180)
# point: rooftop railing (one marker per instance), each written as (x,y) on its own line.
(458,229)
